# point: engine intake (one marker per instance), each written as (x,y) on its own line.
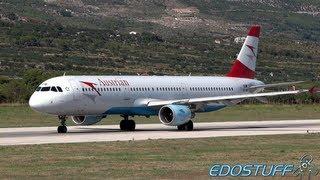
(86,120)
(174,115)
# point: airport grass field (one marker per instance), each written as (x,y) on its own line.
(17,115)
(183,159)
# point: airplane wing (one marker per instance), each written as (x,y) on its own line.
(153,103)
(273,85)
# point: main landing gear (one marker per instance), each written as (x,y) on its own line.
(62,128)
(126,124)
(186,127)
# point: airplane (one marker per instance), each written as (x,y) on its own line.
(174,99)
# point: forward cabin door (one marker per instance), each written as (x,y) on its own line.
(76,89)
(79,104)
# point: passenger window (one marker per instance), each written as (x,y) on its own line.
(54,89)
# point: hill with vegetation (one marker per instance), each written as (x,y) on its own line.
(161,37)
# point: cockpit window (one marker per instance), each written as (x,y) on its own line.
(54,89)
(45,89)
(59,89)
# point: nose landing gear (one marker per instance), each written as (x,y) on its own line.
(62,128)
(126,124)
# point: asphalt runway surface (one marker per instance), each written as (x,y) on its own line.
(101,133)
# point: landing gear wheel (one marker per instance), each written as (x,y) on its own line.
(62,129)
(189,126)
(123,124)
(186,127)
(132,125)
(181,127)
(127,125)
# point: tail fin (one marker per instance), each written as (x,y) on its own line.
(245,64)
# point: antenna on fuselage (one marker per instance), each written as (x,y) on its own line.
(64,73)
(189,74)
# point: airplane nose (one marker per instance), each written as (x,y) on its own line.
(44,103)
(34,103)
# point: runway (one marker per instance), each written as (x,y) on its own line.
(101,133)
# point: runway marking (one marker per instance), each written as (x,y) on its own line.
(77,134)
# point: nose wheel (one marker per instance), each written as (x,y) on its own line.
(62,128)
(127,125)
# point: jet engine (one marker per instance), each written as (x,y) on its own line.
(86,120)
(174,115)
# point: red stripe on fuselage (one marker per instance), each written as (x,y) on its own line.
(241,71)
(90,84)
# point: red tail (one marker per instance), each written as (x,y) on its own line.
(245,64)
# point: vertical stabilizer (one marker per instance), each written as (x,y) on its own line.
(245,64)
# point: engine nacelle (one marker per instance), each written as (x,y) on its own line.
(86,120)
(174,115)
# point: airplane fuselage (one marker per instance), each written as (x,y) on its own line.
(128,95)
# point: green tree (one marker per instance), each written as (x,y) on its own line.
(15,91)
(34,77)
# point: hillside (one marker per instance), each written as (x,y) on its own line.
(167,36)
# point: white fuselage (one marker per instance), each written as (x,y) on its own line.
(127,95)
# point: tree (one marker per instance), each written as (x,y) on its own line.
(34,77)
(15,91)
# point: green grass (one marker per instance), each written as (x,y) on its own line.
(23,116)
(182,158)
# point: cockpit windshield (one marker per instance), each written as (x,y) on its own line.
(54,89)
(48,88)
(45,89)
(59,89)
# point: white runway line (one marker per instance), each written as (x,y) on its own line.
(48,135)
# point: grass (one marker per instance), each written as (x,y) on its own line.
(22,116)
(182,158)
